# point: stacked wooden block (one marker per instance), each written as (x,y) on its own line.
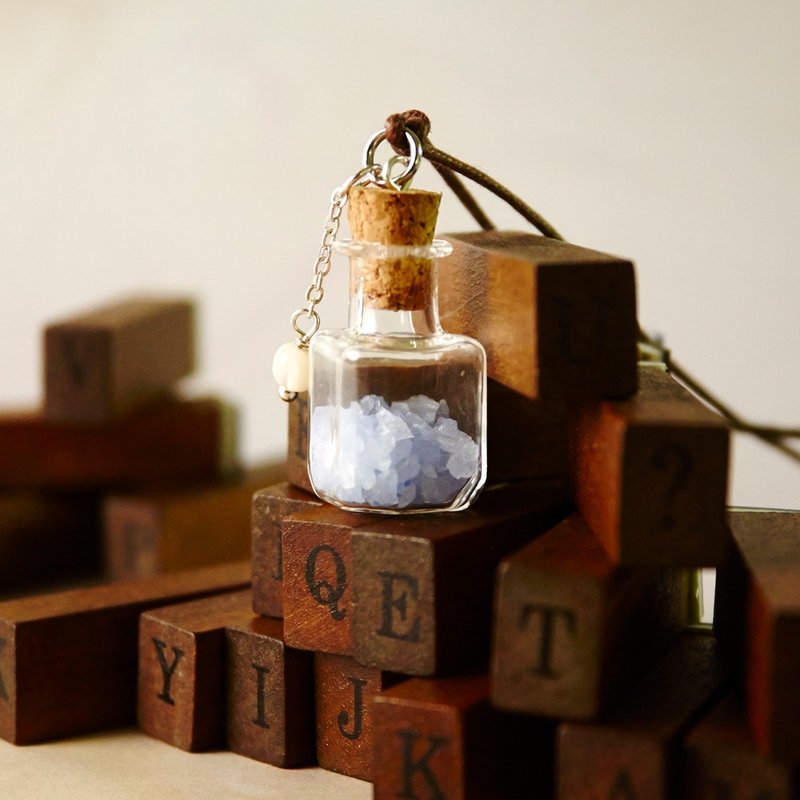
(535,645)
(116,473)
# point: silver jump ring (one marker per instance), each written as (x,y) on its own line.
(413,160)
(305,335)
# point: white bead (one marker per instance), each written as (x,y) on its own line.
(290,367)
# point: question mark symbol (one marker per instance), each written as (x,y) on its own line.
(675,462)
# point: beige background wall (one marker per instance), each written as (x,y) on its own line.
(191,147)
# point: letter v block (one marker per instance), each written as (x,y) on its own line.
(344,692)
(650,475)
(558,321)
(317,579)
(757,619)
(572,629)
(270,702)
(182,670)
(422,585)
(633,753)
(103,363)
(440,738)
(69,661)
(271,506)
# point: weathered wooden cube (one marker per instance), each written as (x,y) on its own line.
(572,630)
(558,321)
(103,363)
(650,475)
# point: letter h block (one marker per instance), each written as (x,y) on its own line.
(558,321)
(422,586)
(572,629)
(441,738)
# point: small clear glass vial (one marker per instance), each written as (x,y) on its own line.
(397,406)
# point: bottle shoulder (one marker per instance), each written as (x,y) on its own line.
(331,341)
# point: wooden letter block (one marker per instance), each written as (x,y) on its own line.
(317,579)
(182,669)
(297,449)
(344,692)
(572,629)
(442,739)
(103,363)
(270,695)
(632,754)
(723,763)
(48,538)
(557,321)
(650,475)
(172,440)
(68,660)
(271,506)
(757,618)
(166,530)
(422,585)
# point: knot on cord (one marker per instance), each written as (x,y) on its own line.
(396,125)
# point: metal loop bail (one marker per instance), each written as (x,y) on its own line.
(305,335)
(411,162)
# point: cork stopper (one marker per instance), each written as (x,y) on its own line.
(390,217)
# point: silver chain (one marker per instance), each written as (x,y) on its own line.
(370,172)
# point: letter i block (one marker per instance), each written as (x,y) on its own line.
(344,692)
(270,705)
(757,619)
(317,579)
(271,506)
(297,447)
(572,629)
(182,670)
(650,475)
(723,763)
(102,363)
(440,738)
(558,321)
(633,752)
(422,586)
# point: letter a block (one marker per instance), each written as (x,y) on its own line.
(557,321)
(757,619)
(103,363)
(271,506)
(422,586)
(633,752)
(440,738)
(723,763)
(182,670)
(344,692)
(572,629)
(650,475)
(317,579)
(68,662)
(270,705)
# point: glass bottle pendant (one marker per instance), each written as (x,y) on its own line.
(397,406)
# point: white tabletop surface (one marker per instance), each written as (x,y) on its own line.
(127,764)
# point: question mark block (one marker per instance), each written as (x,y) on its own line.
(650,475)
(572,630)
(105,362)
(558,321)
(317,578)
(344,690)
(757,619)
